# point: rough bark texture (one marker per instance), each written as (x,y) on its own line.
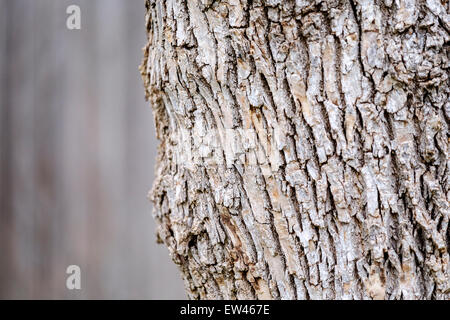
(304,146)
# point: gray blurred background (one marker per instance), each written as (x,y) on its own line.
(77,155)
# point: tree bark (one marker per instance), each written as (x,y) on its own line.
(303,146)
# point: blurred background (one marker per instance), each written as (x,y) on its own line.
(77,151)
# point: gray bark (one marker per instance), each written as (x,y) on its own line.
(304,146)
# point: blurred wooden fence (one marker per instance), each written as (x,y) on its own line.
(77,150)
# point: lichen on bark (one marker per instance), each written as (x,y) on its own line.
(303,146)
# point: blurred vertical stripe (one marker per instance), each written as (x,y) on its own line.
(77,152)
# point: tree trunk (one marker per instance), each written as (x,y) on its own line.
(304,146)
